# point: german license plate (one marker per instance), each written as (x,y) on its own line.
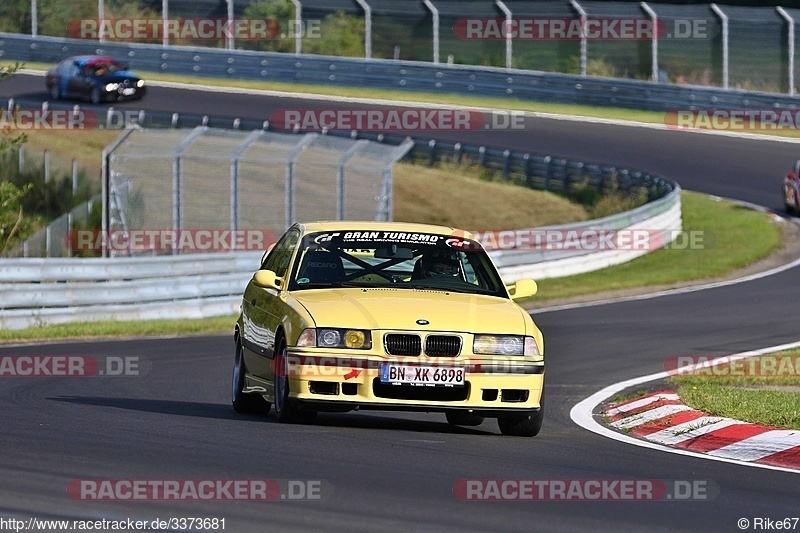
(397,374)
(128,92)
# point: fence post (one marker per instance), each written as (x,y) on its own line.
(34,19)
(47,166)
(69,234)
(304,143)
(101,14)
(367,28)
(340,177)
(177,178)
(21,154)
(435,15)
(582,15)
(74,177)
(790,21)
(229,39)
(47,233)
(164,18)
(654,22)
(725,33)
(237,155)
(298,22)
(508,30)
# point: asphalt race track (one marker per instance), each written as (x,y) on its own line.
(390,471)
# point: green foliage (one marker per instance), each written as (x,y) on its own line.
(340,34)
(54,16)
(280,10)
(14,225)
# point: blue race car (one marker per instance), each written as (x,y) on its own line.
(95,78)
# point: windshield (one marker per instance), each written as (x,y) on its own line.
(403,260)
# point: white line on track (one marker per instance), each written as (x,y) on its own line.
(583,414)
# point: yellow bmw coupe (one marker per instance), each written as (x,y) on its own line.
(389,316)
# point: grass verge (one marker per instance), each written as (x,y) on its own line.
(733,237)
(114,328)
(762,390)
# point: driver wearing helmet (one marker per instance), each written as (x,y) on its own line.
(437,263)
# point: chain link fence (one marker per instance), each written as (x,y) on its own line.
(700,44)
(208,179)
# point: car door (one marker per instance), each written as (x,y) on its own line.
(76,82)
(263,309)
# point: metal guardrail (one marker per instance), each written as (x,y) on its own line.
(397,75)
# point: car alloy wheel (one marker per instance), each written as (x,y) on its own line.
(55,92)
(244,403)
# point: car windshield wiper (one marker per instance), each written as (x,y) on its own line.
(326,285)
(469,289)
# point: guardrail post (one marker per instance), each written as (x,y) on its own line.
(790,21)
(458,152)
(435,16)
(482,156)
(367,28)
(582,15)
(506,164)
(432,152)
(527,170)
(508,31)
(725,34)
(654,44)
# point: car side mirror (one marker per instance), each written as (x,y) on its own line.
(523,288)
(267,279)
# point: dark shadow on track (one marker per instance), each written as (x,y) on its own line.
(225,412)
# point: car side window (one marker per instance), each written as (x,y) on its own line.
(278,259)
(74,71)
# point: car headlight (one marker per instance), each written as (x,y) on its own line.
(112,87)
(354,339)
(140,83)
(504,345)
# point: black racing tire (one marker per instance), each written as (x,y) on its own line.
(55,92)
(285,409)
(244,403)
(463,418)
(95,97)
(523,426)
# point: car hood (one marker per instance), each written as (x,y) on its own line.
(400,309)
(117,77)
